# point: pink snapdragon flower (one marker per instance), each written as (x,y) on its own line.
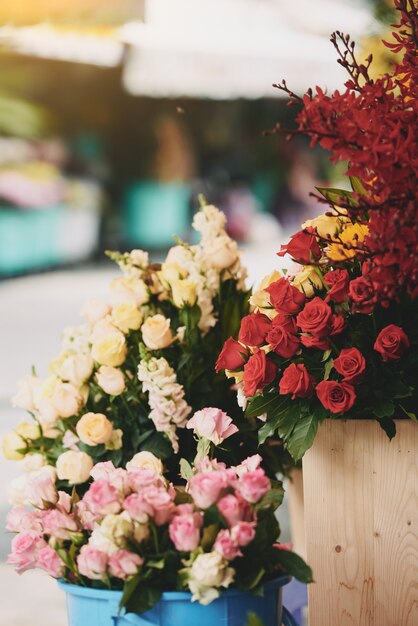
(213,424)
(250,464)
(184,529)
(123,564)
(92,563)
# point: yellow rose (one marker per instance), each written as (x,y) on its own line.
(351,235)
(156,332)
(66,400)
(111,380)
(326,225)
(115,442)
(126,316)
(28,430)
(170,273)
(306,280)
(145,460)
(184,293)
(94,428)
(221,252)
(11,443)
(260,299)
(74,467)
(110,349)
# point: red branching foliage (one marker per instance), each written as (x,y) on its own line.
(373,125)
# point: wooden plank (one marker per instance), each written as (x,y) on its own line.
(361,517)
(294,489)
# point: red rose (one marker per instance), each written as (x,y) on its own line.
(259,371)
(285,297)
(282,342)
(254,329)
(303,247)
(316,318)
(336,397)
(337,281)
(232,357)
(287,322)
(314,342)
(297,381)
(337,324)
(351,364)
(362,295)
(391,342)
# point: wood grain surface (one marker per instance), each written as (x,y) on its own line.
(361,517)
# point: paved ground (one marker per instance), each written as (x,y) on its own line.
(33,312)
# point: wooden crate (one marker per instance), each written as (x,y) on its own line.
(361,516)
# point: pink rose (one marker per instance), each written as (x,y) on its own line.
(161,503)
(249,464)
(41,491)
(206,488)
(184,531)
(123,564)
(49,561)
(102,498)
(213,424)
(243,533)
(226,546)
(117,477)
(59,525)
(25,547)
(88,519)
(234,509)
(64,503)
(140,477)
(92,563)
(253,485)
(137,508)
(19,520)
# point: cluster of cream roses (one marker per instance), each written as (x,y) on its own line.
(96,351)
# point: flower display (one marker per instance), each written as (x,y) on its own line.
(338,337)
(132,529)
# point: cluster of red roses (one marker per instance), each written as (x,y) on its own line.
(299,322)
(373,125)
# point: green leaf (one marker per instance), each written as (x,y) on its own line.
(128,589)
(357,185)
(409,413)
(388,426)
(337,196)
(186,470)
(383,408)
(159,445)
(156,564)
(209,536)
(203,449)
(302,436)
(144,598)
(272,498)
(326,355)
(270,403)
(294,565)
(253,620)
(328,367)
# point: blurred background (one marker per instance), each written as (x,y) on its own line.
(114,116)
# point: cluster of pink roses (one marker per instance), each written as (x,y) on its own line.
(126,515)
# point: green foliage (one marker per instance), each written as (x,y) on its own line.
(253,620)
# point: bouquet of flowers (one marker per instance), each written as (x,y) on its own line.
(337,337)
(133,530)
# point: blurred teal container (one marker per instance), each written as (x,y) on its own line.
(95,607)
(153,212)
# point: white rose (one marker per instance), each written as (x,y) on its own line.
(111,380)
(209,572)
(94,310)
(306,280)
(180,256)
(66,400)
(28,430)
(74,467)
(16,491)
(26,394)
(126,316)
(171,272)
(102,542)
(156,332)
(33,462)
(184,293)
(110,350)
(72,367)
(221,252)
(145,460)
(70,440)
(103,328)
(94,429)
(129,290)
(11,443)
(118,527)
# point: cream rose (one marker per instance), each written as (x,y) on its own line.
(28,388)
(94,429)
(171,272)
(28,430)
(94,310)
(74,467)
(260,299)
(33,462)
(208,573)
(145,460)
(156,332)
(66,400)
(221,252)
(129,290)
(184,293)
(111,380)
(115,442)
(306,280)
(11,443)
(126,316)
(72,367)
(110,349)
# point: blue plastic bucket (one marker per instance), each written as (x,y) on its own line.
(96,607)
